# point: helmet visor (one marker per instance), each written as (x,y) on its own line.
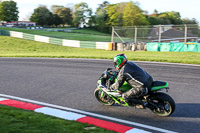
(115,64)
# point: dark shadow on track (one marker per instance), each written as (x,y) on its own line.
(190,110)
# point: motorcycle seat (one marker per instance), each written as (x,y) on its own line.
(157,85)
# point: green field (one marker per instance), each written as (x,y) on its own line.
(14,47)
(79,34)
(13,120)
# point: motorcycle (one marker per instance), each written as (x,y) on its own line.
(158,102)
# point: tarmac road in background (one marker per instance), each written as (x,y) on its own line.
(71,83)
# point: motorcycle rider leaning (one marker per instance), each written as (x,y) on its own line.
(139,79)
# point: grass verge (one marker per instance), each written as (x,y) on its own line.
(13,120)
(15,47)
(80,34)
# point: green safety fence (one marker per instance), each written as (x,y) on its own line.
(191,47)
(87,44)
(165,47)
(176,47)
(153,46)
(4,33)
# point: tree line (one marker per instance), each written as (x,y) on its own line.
(105,16)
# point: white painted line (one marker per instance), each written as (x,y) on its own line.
(91,114)
(135,130)
(59,113)
(2,99)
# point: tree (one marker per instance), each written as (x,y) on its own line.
(56,8)
(155,13)
(125,14)
(154,20)
(101,17)
(41,16)
(8,11)
(114,15)
(82,14)
(175,17)
(132,15)
(55,20)
(170,17)
(66,15)
(189,21)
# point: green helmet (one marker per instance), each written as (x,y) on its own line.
(119,60)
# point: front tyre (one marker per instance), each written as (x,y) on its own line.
(103,98)
(162,104)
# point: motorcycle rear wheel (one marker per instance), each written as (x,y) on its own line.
(165,104)
(103,98)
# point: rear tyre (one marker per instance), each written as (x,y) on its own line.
(163,104)
(103,98)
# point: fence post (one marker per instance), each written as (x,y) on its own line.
(135,34)
(160,26)
(185,33)
(112,38)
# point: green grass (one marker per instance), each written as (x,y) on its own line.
(80,34)
(14,47)
(13,120)
(84,31)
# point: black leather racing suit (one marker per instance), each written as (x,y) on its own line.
(139,79)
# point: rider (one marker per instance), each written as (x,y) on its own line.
(139,79)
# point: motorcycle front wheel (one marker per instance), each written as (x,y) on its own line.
(103,98)
(163,104)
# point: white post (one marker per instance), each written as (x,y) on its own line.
(159,33)
(185,33)
(135,34)
(112,37)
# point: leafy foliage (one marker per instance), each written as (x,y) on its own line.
(41,16)
(65,14)
(171,17)
(8,11)
(55,20)
(101,17)
(132,15)
(82,14)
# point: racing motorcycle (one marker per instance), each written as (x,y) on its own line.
(158,102)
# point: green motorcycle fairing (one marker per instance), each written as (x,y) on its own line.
(126,87)
(156,88)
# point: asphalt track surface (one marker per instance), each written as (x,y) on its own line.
(71,83)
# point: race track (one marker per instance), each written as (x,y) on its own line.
(71,83)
